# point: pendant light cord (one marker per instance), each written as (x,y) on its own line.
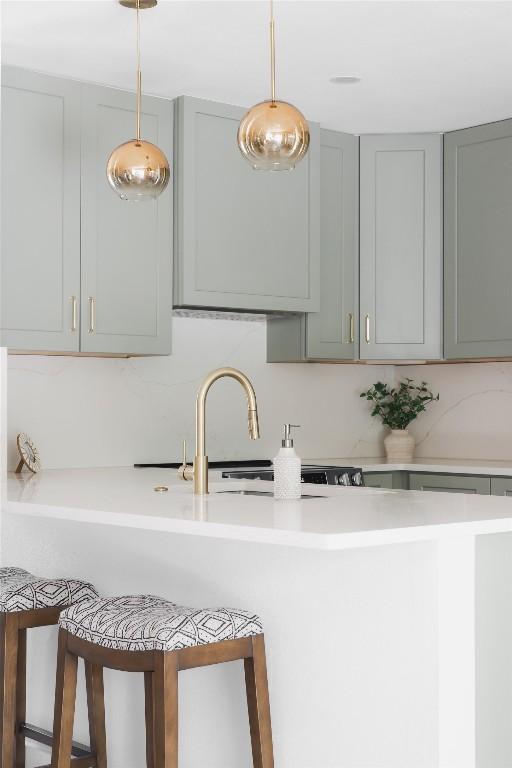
(272,53)
(139,74)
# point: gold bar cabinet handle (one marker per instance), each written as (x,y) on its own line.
(73,313)
(367,328)
(351,326)
(91,314)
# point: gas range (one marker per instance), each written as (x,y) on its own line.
(261,469)
(310,473)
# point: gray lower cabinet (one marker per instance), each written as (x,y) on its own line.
(422,481)
(478,234)
(40,262)
(401,247)
(330,334)
(245,239)
(501,486)
(126,247)
(378,479)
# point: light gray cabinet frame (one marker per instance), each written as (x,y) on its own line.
(401,247)
(501,486)
(126,246)
(332,333)
(424,481)
(244,239)
(477,241)
(40,260)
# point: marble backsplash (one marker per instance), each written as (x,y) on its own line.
(473,418)
(113,412)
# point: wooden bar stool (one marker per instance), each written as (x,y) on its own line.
(151,635)
(26,602)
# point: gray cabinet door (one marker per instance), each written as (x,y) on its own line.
(332,332)
(422,481)
(245,239)
(126,246)
(378,479)
(40,264)
(478,236)
(400,247)
(501,486)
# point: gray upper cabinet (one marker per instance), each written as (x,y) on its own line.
(330,334)
(126,246)
(400,247)
(40,265)
(478,237)
(245,239)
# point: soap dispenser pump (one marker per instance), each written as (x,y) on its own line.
(287,468)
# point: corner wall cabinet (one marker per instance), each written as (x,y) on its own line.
(245,239)
(82,271)
(401,247)
(478,234)
(331,333)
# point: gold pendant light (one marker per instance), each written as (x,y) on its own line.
(138,170)
(273,135)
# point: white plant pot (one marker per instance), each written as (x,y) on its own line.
(399,445)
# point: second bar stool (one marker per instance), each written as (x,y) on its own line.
(149,634)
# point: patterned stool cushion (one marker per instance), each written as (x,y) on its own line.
(147,623)
(21,591)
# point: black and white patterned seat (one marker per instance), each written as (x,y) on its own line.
(148,623)
(22,591)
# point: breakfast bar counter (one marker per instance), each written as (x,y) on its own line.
(387,614)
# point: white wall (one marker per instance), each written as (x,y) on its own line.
(473,418)
(114,412)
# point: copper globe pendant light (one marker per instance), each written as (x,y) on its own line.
(138,170)
(273,135)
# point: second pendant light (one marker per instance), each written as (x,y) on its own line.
(273,135)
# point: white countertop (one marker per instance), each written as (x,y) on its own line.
(343,518)
(455,466)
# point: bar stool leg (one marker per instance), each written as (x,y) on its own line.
(96,707)
(165,682)
(21,697)
(8,668)
(65,694)
(150,721)
(258,705)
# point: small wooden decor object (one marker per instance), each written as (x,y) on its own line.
(29,455)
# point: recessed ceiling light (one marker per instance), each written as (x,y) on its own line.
(345,79)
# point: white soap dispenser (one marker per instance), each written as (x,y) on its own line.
(287,469)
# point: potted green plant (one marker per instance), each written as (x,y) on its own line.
(397,407)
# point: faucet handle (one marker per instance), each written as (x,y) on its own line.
(186,471)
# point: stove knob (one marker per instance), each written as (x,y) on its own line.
(357,479)
(343,479)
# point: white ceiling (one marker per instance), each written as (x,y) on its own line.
(425,66)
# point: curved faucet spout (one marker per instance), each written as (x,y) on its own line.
(201,459)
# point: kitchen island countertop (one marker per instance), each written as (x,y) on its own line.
(340,518)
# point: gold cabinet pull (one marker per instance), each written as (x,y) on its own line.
(367,328)
(91,314)
(73,313)
(351,326)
